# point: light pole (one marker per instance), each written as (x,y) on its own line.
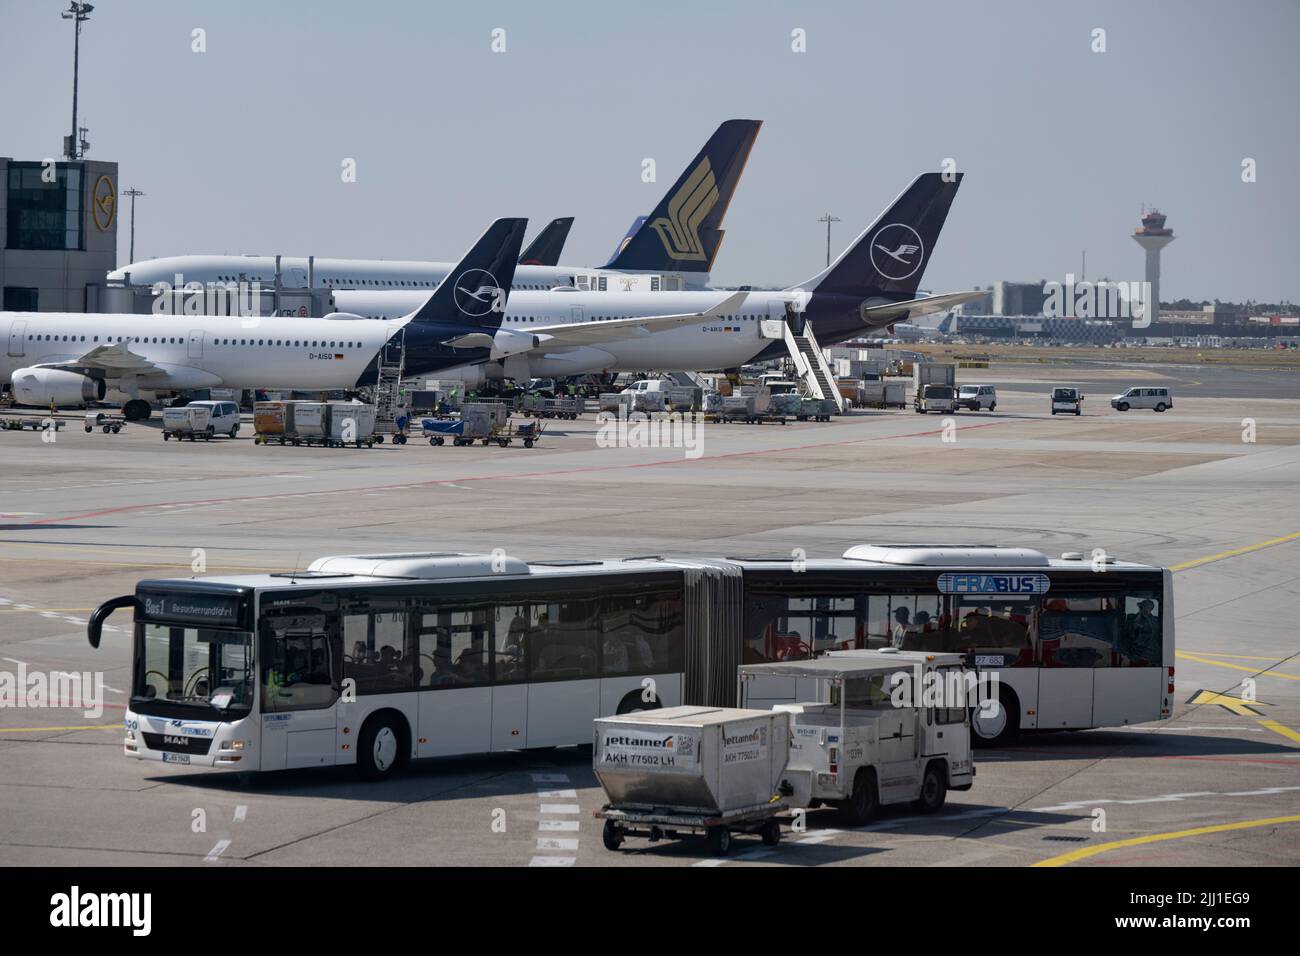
(132,192)
(828,219)
(78,12)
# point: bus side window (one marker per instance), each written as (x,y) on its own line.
(1079,630)
(639,633)
(563,645)
(378,658)
(1141,641)
(453,649)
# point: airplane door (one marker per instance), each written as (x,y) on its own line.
(577,315)
(196,343)
(17,337)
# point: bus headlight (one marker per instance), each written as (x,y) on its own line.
(234,745)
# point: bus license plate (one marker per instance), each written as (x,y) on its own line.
(176,758)
(988,660)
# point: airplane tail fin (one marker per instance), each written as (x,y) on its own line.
(632,230)
(684,232)
(547,245)
(476,290)
(888,259)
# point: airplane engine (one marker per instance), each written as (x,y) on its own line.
(43,386)
(510,342)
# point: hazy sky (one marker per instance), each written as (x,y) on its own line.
(239,148)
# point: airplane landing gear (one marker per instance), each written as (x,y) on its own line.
(136,410)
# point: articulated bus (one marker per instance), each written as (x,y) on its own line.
(376,659)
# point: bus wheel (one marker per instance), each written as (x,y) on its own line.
(633,703)
(719,840)
(861,804)
(612,835)
(934,788)
(379,750)
(1001,727)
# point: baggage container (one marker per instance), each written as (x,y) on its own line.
(189,421)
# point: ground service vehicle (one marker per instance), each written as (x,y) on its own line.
(935,398)
(375,659)
(1066,400)
(692,769)
(977,397)
(1157,399)
(855,748)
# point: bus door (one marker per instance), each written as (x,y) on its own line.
(454,681)
(300,670)
(1076,635)
(510,629)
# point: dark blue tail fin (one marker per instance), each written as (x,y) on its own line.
(632,230)
(475,291)
(684,232)
(547,245)
(889,257)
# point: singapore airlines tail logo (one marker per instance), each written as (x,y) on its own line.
(680,231)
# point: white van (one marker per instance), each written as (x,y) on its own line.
(977,397)
(1154,398)
(1066,400)
(225,417)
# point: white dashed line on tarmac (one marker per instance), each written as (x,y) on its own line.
(216,851)
(568,845)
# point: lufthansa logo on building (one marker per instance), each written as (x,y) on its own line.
(104,203)
(477,293)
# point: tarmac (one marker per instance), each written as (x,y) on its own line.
(1208,488)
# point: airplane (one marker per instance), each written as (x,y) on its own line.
(862,290)
(674,246)
(547,245)
(72,359)
(916,331)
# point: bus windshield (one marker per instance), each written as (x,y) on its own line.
(192,671)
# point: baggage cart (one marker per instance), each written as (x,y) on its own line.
(107,422)
(690,770)
(189,421)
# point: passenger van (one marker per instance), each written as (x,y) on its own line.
(977,397)
(1066,400)
(1155,398)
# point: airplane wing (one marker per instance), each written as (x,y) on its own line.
(113,360)
(892,311)
(587,333)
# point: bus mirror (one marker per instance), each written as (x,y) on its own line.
(95,626)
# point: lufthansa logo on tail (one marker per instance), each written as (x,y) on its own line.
(680,231)
(897,251)
(477,293)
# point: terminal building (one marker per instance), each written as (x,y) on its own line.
(59,238)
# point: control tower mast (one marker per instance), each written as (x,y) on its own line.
(1153,236)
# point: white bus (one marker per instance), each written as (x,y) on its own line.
(376,659)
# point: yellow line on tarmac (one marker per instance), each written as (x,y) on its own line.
(37,730)
(1277,728)
(1196,562)
(1082,854)
(1236,667)
(1241,657)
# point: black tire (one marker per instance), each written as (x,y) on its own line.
(1053,412)
(528,443)
(863,801)
(633,703)
(1122,406)
(934,789)
(379,439)
(116,429)
(771,833)
(996,733)
(107,429)
(166,437)
(433,441)
(993,407)
(1076,411)
(612,835)
(137,410)
(381,747)
(719,840)
(234,430)
(1161,407)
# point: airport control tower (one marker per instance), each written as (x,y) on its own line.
(1153,236)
